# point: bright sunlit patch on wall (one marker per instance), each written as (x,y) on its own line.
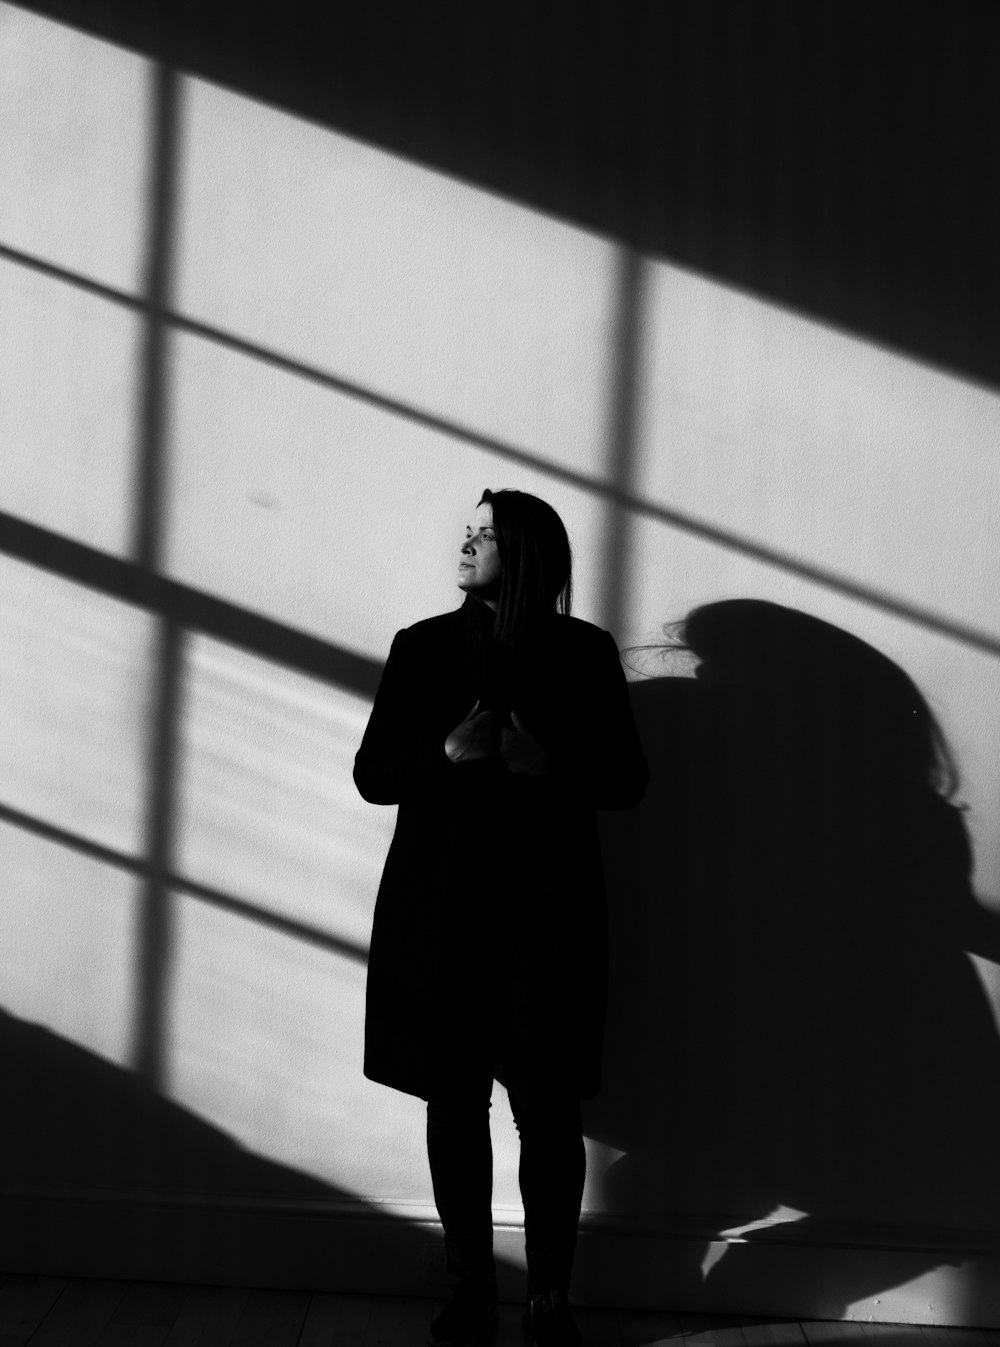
(68,931)
(415,285)
(68,363)
(74,688)
(268,808)
(266,1037)
(809,441)
(73,150)
(324,512)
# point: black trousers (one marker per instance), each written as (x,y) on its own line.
(551,1172)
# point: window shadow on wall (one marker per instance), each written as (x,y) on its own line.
(794,1019)
(835,157)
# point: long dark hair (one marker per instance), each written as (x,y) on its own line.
(537,562)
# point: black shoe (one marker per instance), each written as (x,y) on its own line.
(471,1310)
(548,1320)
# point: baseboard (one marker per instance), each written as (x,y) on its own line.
(398,1250)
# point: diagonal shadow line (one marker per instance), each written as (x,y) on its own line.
(612,493)
(135,865)
(84,846)
(32,262)
(190,607)
(241,907)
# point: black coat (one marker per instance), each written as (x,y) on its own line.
(489,933)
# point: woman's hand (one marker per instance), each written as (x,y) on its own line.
(521,751)
(474,738)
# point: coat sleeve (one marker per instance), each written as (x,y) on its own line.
(400,759)
(600,760)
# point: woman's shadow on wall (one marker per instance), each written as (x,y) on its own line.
(794,1021)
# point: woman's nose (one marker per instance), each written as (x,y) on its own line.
(467,549)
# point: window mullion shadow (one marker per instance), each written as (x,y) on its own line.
(156,919)
(612,597)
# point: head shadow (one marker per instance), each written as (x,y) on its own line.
(794,1022)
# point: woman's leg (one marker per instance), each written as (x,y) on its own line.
(552,1172)
(461,1162)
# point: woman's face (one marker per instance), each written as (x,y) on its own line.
(479,568)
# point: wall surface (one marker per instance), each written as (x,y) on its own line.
(256,372)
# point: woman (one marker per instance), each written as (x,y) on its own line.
(498,729)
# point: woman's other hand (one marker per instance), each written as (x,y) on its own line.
(521,751)
(474,738)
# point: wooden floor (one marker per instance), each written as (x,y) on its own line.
(57,1312)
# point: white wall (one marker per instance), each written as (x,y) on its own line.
(290,497)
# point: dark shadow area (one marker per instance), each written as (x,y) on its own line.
(75,1121)
(794,1019)
(837,157)
(102,1176)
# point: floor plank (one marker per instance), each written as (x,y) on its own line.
(833,1333)
(24,1303)
(894,1335)
(508,1328)
(151,1303)
(773,1333)
(271,1319)
(55,1312)
(336,1321)
(80,1315)
(941,1335)
(715,1330)
(207,1318)
(400,1322)
(133,1335)
(508,1331)
(638,1329)
(598,1326)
